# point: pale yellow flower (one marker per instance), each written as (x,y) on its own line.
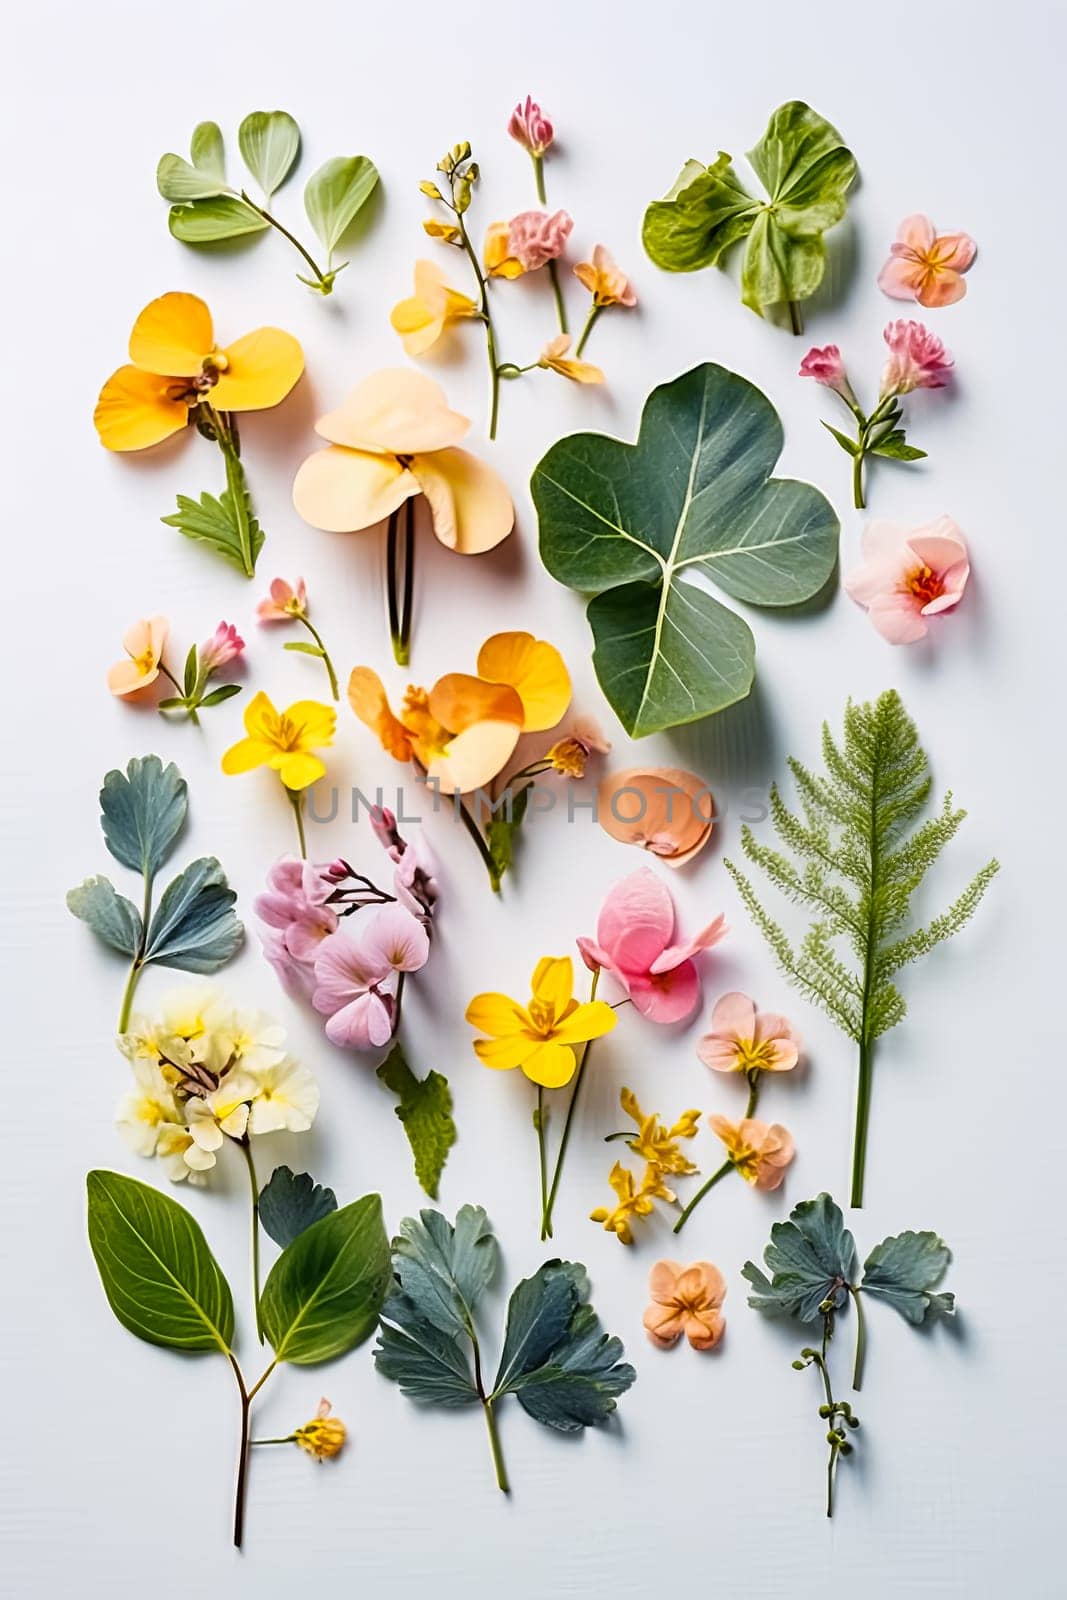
(422,318)
(554,358)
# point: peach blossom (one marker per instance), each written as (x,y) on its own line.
(606,282)
(143,644)
(285,601)
(743,1039)
(668,812)
(760,1151)
(926,266)
(908,575)
(685,1300)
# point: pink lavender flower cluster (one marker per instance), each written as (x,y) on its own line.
(352,971)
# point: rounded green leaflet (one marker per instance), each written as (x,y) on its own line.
(325,1291)
(269,142)
(335,193)
(160,1278)
(647,528)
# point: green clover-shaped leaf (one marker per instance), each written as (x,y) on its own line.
(692,500)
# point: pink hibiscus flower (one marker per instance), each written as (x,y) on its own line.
(635,942)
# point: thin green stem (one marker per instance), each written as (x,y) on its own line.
(296,800)
(590,323)
(486,317)
(327,663)
(539,177)
(858,499)
(861,1338)
(541,1153)
(796,318)
(546,1218)
(557,294)
(494,1445)
(863,1114)
(392,592)
(167,673)
(483,849)
(290,1438)
(409,576)
(323,281)
(728,1164)
(137,965)
(246,1150)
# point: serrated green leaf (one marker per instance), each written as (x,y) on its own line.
(324,1293)
(207,150)
(160,1278)
(142,813)
(181,183)
(112,917)
(194,927)
(212,221)
(811,1259)
(336,193)
(694,498)
(269,143)
(213,521)
(443,1271)
(904,1270)
(564,1370)
(425,1110)
(290,1202)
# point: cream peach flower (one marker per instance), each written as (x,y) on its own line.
(909,575)
(144,644)
(760,1151)
(422,319)
(668,812)
(927,266)
(554,358)
(606,282)
(685,1300)
(742,1039)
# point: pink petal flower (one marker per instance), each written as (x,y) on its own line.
(635,942)
(926,267)
(742,1038)
(530,127)
(908,575)
(917,359)
(827,367)
(364,1024)
(284,601)
(535,237)
(224,646)
(396,939)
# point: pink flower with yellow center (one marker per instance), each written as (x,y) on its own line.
(760,1151)
(742,1039)
(926,266)
(909,575)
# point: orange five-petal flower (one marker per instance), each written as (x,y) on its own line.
(177,366)
(394,437)
(927,266)
(685,1300)
(760,1151)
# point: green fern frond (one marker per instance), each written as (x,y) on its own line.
(857,833)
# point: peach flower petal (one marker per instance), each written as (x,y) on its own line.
(474,758)
(369,701)
(535,670)
(343,491)
(394,412)
(664,810)
(459,701)
(470,504)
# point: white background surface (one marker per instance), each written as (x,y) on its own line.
(116,1457)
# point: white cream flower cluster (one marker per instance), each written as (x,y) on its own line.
(203,1073)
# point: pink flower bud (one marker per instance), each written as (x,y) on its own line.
(224,646)
(827,367)
(535,237)
(530,127)
(917,359)
(383,821)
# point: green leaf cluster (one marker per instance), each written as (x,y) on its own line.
(206,209)
(855,855)
(556,1359)
(806,170)
(693,499)
(425,1112)
(194,927)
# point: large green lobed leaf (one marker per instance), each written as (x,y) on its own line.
(325,1291)
(159,1276)
(904,1270)
(810,1257)
(142,812)
(693,498)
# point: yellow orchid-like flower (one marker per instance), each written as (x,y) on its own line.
(657,1144)
(608,285)
(176,366)
(464,730)
(423,317)
(632,1202)
(285,741)
(496,252)
(554,358)
(539,1037)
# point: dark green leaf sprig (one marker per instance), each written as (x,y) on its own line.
(806,170)
(194,927)
(321,1298)
(811,1259)
(557,1361)
(633,524)
(856,860)
(206,209)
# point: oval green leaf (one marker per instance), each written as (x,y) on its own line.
(326,1289)
(177,181)
(194,927)
(114,919)
(692,499)
(207,150)
(160,1278)
(336,192)
(269,143)
(212,221)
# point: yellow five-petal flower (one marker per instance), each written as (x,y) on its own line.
(285,741)
(539,1037)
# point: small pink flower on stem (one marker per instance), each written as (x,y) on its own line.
(284,602)
(357,977)
(917,359)
(224,646)
(827,367)
(529,127)
(742,1039)
(909,575)
(926,266)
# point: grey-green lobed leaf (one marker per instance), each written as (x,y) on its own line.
(290,1202)
(693,499)
(113,918)
(904,1270)
(324,1293)
(429,1365)
(160,1278)
(811,1260)
(194,927)
(442,1270)
(336,193)
(142,813)
(270,143)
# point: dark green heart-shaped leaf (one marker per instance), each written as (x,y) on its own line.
(212,221)
(112,917)
(693,499)
(905,1270)
(810,1258)
(270,143)
(194,927)
(159,1276)
(325,1291)
(142,812)
(335,193)
(290,1202)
